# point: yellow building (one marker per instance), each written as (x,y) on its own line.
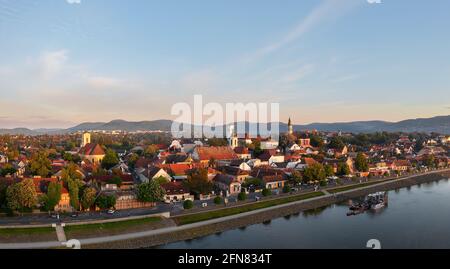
(91,151)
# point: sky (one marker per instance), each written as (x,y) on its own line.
(63,62)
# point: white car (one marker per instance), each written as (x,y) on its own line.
(111,211)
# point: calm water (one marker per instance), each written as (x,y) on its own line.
(417,217)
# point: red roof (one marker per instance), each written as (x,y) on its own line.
(216,153)
(124,178)
(92,149)
(177,169)
(172,188)
(41,184)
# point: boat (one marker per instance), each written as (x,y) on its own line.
(373,201)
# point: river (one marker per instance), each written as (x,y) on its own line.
(416,217)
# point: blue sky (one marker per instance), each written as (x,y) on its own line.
(323,61)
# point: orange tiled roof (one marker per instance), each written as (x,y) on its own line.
(217,153)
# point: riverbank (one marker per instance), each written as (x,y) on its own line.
(270,213)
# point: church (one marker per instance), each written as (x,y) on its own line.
(91,151)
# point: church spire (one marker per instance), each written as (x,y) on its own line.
(290,127)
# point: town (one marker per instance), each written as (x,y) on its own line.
(111,172)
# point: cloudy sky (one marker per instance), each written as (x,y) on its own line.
(63,62)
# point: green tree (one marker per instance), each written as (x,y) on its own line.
(343,169)
(329,171)
(133,159)
(242,196)
(161,180)
(316,141)
(314,172)
(7,169)
(88,197)
(361,163)
(115,180)
(151,151)
(336,143)
(70,172)
(74,189)
(110,160)
(40,165)
(53,196)
(218,200)
(21,195)
(106,201)
(266,192)
(3,188)
(296,177)
(188,204)
(429,161)
(150,192)
(197,182)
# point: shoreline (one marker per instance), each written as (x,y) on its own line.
(268,214)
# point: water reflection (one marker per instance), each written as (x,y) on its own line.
(414,218)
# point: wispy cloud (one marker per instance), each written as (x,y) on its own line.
(52,62)
(327,10)
(71,2)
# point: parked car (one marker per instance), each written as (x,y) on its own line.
(111,211)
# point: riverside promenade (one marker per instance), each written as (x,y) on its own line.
(189,231)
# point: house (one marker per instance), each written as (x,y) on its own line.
(177,171)
(269,144)
(106,181)
(236,172)
(430,150)
(292,147)
(41,185)
(227,184)
(176,192)
(337,153)
(254,162)
(219,154)
(400,165)
(181,158)
(304,142)
(270,156)
(241,164)
(243,153)
(273,178)
(379,169)
(3,159)
(153,172)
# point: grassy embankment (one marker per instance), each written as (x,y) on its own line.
(187,219)
(110,226)
(351,187)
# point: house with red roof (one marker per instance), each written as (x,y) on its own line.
(91,151)
(176,192)
(219,154)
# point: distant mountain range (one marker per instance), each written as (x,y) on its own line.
(440,124)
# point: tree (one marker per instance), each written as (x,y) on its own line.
(74,188)
(198,183)
(343,169)
(151,151)
(150,192)
(296,177)
(110,160)
(429,161)
(286,189)
(115,180)
(361,163)
(218,200)
(316,141)
(40,165)
(188,204)
(161,180)
(7,169)
(53,196)
(242,196)
(133,159)
(21,195)
(88,197)
(336,143)
(329,171)
(314,172)
(266,192)
(70,172)
(3,188)
(106,201)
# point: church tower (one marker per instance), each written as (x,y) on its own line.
(86,139)
(233,140)
(290,127)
